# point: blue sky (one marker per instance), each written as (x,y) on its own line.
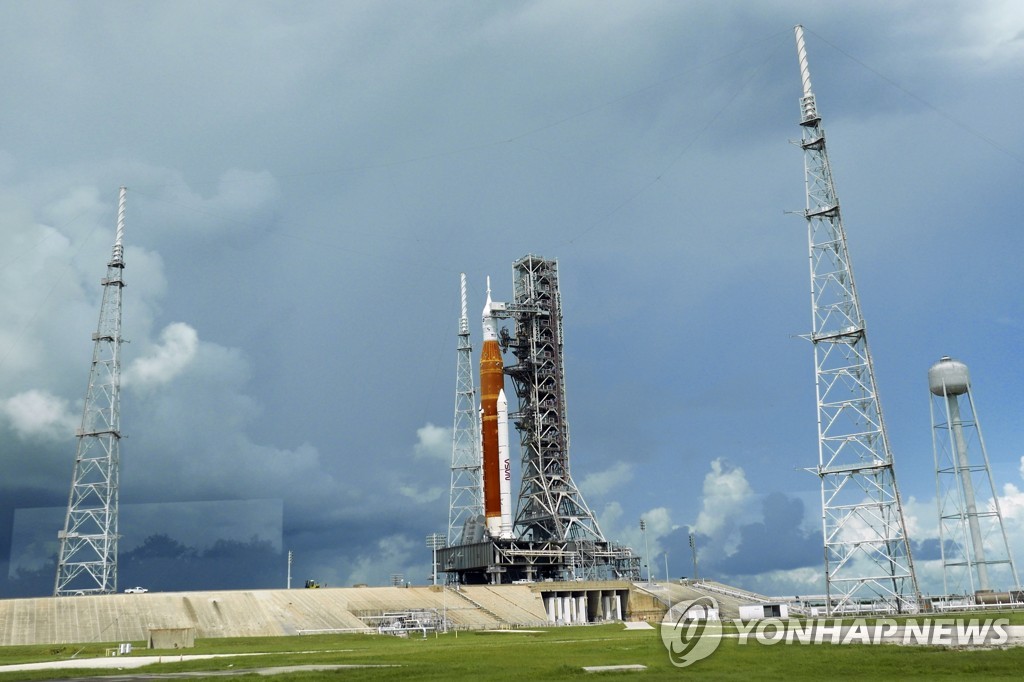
(306,182)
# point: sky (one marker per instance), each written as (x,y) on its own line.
(306,181)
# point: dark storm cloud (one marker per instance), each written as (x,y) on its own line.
(779,542)
(306,183)
(926,550)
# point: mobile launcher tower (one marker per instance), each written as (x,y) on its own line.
(555,536)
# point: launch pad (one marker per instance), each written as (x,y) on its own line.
(555,536)
(497,562)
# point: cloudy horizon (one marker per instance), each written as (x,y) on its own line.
(306,182)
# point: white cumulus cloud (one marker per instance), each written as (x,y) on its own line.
(176,350)
(38,414)
(434,442)
(659,521)
(431,494)
(1011,503)
(602,482)
(726,494)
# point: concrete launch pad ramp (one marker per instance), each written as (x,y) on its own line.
(729,599)
(254,613)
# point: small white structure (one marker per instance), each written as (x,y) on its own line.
(750,612)
(700,612)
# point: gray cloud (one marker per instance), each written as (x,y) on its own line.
(306,184)
(779,542)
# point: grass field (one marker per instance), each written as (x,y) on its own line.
(550,654)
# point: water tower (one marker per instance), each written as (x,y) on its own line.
(975,553)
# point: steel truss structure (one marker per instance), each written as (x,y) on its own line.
(867,553)
(87,555)
(550,507)
(557,536)
(505,561)
(466,496)
(975,550)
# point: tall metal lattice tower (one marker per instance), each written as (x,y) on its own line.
(550,507)
(87,557)
(867,553)
(466,498)
(975,552)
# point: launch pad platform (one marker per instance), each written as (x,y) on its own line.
(501,562)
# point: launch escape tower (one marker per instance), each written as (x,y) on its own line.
(556,536)
(867,553)
(975,552)
(466,498)
(87,555)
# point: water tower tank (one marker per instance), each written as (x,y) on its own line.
(948,377)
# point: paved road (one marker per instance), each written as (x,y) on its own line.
(120,663)
(206,674)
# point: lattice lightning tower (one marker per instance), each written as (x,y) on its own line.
(87,556)
(466,498)
(550,507)
(867,553)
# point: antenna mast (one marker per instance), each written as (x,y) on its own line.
(867,554)
(466,498)
(87,557)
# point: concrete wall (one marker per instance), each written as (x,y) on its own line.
(670,593)
(253,613)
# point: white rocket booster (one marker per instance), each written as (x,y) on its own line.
(504,467)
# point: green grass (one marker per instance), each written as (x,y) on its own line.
(553,654)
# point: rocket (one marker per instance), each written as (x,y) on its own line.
(504,468)
(494,430)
